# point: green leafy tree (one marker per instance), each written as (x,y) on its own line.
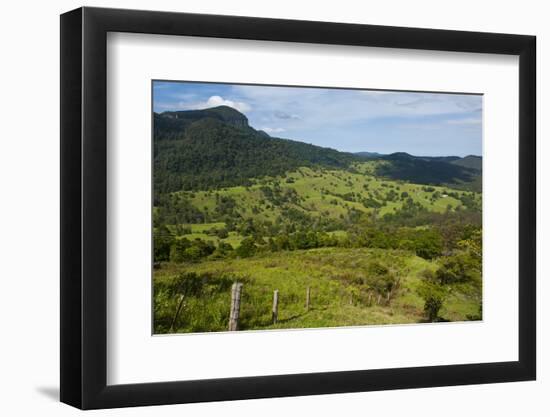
(162,242)
(247,248)
(177,250)
(428,244)
(460,268)
(434,296)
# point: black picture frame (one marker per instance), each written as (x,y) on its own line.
(84,207)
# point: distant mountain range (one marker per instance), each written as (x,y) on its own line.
(370,154)
(216,147)
(469,161)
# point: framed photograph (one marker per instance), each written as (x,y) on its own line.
(256,208)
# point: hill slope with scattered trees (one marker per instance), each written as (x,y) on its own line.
(216,148)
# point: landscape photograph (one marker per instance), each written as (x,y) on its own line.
(279,207)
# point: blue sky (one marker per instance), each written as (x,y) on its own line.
(348,120)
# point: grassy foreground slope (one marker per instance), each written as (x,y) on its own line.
(342,282)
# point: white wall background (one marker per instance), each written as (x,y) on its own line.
(29,225)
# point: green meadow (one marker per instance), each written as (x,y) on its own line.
(332,193)
(342,278)
(341,293)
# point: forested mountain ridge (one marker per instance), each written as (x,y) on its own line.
(171,125)
(435,170)
(470,161)
(200,149)
(216,148)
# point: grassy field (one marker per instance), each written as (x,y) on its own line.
(351,283)
(343,286)
(328,192)
(320,192)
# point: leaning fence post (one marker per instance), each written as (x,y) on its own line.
(178,309)
(275,310)
(307,298)
(236,291)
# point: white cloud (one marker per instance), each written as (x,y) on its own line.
(318,108)
(220,101)
(213,101)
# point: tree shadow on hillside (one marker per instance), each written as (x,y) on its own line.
(291,318)
(300,315)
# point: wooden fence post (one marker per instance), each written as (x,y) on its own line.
(275,310)
(308,294)
(236,291)
(178,309)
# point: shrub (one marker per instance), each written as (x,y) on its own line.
(222,233)
(458,269)
(434,296)
(247,248)
(162,241)
(191,251)
(428,244)
(380,279)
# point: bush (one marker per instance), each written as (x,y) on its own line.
(459,268)
(162,241)
(222,233)
(434,296)
(428,244)
(247,248)
(380,279)
(178,248)
(184,250)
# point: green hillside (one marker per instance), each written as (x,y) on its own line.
(213,148)
(436,171)
(377,239)
(342,294)
(329,196)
